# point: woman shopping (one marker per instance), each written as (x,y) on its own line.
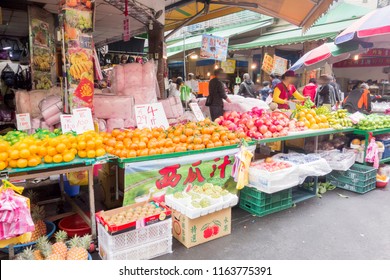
(286,90)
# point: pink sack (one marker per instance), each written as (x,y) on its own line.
(118,80)
(149,74)
(102,125)
(114,123)
(22,100)
(53,120)
(111,106)
(130,123)
(50,106)
(172,107)
(133,75)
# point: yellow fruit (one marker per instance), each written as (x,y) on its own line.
(3,156)
(21,146)
(61,147)
(91,153)
(100,152)
(25,153)
(98,143)
(57,158)
(82,154)
(33,161)
(69,156)
(22,163)
(4,146)
(33,149)
(53,142)
(73,151)
(48,159)
(42,151)
(81,145)
(3,165)
(90,145)
(314,126)
(51,151)
(12,163)
(13,154)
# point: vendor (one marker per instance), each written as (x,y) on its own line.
(285,90)
(358,100)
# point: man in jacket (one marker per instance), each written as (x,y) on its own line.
(326,93)
(217,94)
(358,100)
(247,87)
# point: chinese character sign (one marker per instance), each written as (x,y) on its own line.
(268,64)
(279,65)
(151,116)
(214,47)
(152,179)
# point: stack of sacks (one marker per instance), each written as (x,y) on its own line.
(242,104)
(51,109)
(113,111)
(173,107)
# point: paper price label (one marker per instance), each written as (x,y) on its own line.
(197,111)
(23,121)
(67,123)
(82,118)
(151,116)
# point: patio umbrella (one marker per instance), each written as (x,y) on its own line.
(326,53)
(372,28)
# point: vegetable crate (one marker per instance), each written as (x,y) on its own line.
(261,204)
(121,244)
(359,179)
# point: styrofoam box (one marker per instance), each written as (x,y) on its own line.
(135,237)
(143,252)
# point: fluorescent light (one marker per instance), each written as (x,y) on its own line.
(356,57)
(6,48)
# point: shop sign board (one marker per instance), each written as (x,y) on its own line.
(279,65)
(151,116)
(229,66)
(268,64)
(23,121)
(153,179)
(67,123)
(82,118)
(214,47)
(377,53)
(363,62)
(197,111)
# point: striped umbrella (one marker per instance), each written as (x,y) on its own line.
(372,28)
(326,53)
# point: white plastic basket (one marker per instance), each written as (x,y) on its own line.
(143,252)
(135,237)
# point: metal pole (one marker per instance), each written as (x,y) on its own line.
(184,56)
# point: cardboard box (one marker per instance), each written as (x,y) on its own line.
(107,182)
(192,232)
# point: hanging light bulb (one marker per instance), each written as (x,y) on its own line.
(253,66)
(208,74)
(216,66)
(356,57)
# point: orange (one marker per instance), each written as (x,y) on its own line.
(122,154)
(12,163)
(53,142)
(13,154)
(91,153)
(82,154)
(314,126)
(48,159)
(131,154)
(73,151)
(81,145)
(21,146)
(141,145)
(51,151)
(100,152)
(3,156)
(111,142)
(57,158)
(3,165)
(22,163)
(33,149)
(99,142)
(25,153)
(4,146)
(33,161)
(115,132)
(69,156)
(91,144)
(61,147)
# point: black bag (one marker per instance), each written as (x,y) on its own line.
(15,53)
(25,57)
(8,76)
(209,100)
(108,59)
(23,79)
(115,59)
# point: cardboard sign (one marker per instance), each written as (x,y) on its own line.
(151,116)
(82,119)
(67,123)
(197,112)
(268,64)
(23,121)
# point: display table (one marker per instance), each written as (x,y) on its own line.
(366,134)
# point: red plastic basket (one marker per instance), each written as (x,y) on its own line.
(73,225)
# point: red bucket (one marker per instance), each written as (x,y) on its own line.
(73,225)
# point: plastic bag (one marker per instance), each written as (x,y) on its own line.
(79,178)
(241,165)
(111,106)
(341,161)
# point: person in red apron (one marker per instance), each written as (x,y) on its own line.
(286,89)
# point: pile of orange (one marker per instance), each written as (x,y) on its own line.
(22,154)
(90,145)
(179,138)
(311,120)
(59,149)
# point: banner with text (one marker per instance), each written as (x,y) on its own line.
(153,179)
(214,47)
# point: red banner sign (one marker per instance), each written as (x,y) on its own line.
(364,62)
(377,53)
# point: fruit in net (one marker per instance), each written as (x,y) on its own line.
(78,248)
(59,248)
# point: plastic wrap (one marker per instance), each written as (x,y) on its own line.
(118,80)
(115,123)
(102,125)
(51,109)
(341,161)
(133,75)
(172,107)
(111,106)
(242,104)
(130,123)
(22,99)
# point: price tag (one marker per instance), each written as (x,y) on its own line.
(67,123)
(151,116)
(23,121)
(82,118)
(197,111)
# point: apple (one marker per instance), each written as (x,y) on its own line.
(279,127)
(259,122)
(268,134)
(272,128)
(263,129)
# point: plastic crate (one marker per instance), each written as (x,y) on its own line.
(143,252)
(386,144)
(136,237)
(260,204)
(357,172)
(343,183)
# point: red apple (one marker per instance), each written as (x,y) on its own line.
(263,129)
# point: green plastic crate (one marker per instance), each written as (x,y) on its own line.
(260,204)
(355,182)
(342,183)
(357,172)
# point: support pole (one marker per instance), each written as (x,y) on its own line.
(156,40)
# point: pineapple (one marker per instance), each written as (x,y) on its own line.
(78,248)
(26,255)
(54,257)
(38,248)
(60,248)
(38,214)
(30,194)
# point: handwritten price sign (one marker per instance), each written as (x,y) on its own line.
(151,116)
(82,118)
(197,112)
(67,123)
(23,121)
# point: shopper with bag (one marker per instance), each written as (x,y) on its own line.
(247,87)
(217,94)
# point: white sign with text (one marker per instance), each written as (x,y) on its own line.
(151,116)
(23,121)
(82,118)
(197,111)
(67,123)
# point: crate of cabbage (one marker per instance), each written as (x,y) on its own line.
(196,201)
